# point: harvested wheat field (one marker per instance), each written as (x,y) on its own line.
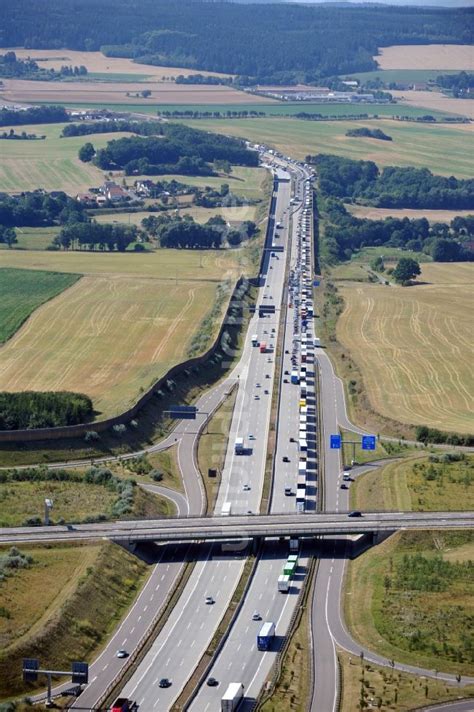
(414,346)
(434,216)
(442,56)
(96,62)
(104,93)
(105,336)
(435,101)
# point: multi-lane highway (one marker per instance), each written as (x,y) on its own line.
(286,281)
(241,488)
(244,527)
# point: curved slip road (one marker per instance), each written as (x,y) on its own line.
(328,628)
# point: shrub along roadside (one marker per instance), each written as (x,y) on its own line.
(125,488)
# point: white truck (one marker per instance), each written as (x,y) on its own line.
(226,509)
(283,583)
(239,446)
(232,697)
(255,340)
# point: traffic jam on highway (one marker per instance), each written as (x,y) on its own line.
(250,646)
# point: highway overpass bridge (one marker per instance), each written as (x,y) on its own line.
(241,527)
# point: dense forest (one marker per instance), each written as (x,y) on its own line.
(34,409)
(178,149)
(279,39)
(39,209)
(34,115)
(394,187)
(344,234)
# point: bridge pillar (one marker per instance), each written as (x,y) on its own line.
(256,541)
(379,537)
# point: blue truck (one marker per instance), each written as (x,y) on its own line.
(265,636)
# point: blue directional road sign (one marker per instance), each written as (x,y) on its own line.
(368,442)
(188,412)
(316,283)
(335,442)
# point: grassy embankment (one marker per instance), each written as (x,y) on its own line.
(46,607)
(410,599)
(73,502)
(212,448)
(418,484)
(366,684)
(23,291)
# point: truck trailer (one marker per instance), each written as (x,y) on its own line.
(283,583)
(265,636)
(239,446)
(122,704)
(232,697)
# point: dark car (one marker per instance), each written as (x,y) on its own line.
(344,486)
(355,513)
(164,682)
(212,682)
(286,458)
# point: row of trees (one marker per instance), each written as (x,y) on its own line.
(13,67)
(35,409)
(34,115)
(141,128)
(92,236)
(279,38)
(344,234)
(184,232)
(394,187)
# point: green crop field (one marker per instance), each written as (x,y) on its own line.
(442,149)
(410,599)
(118,329)
(22,291)
(51,164)
(273,108)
